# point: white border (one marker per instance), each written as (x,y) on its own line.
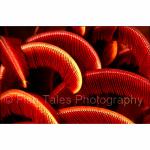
(77,12)
(95,12)
(74,137)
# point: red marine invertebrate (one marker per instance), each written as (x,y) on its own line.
(81,30)
(103,77)
(82,52)
(66,68)
(145,31)
(91,115)
(119,83)
(26,106)
(13,59)
(133,39)
(40,54)
(139,47)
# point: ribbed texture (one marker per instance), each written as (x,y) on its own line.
(139,46)
(65,69)
(133,39)
(27,105)
(91,115)
(118,82)
(82,52)
(45,55)
(13,59)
